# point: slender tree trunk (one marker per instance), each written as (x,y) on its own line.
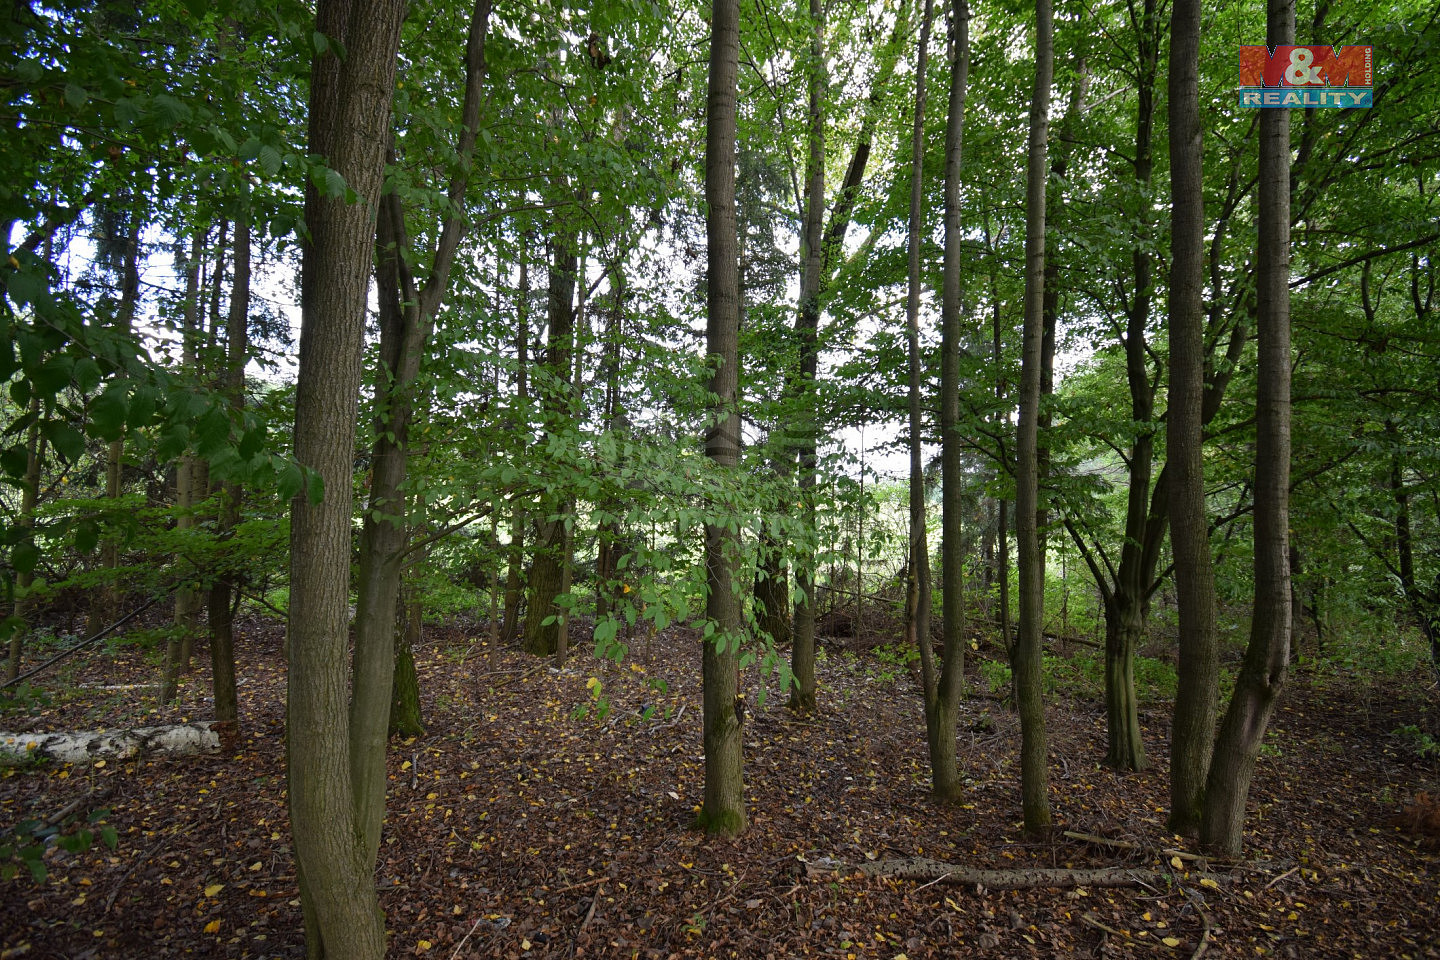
(942,699)
(104,609)
(917,567)
(225,591)
(187,599)
(1197,694)
(349,122)
(802,651)
(1034,785)
(547,570)
(29,497)
(515,552)
(405,716)
(723,811)
(1267,655)
(407,317)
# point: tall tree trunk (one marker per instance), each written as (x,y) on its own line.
(1034,777)
(349,127)
(917,567)
(943,693)
(1197,694)
(29,497)
(802,651)
(407,317)
(515,551)
(225,591)
(547,570)
(723,811)
(105,607)
(187,599)
(1267,655)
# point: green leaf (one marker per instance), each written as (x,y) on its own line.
(24,556)
(270,160)
(86,374)
(108,411)
(54,374)
(87,536)
(14,460)
(289,481)
(109,837)
(67,441)
(320,41)
(75,95)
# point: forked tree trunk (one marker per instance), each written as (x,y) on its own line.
(407,317)
(722,812)
(349,120)
(1267,655)
(1034,785)
(1193,729)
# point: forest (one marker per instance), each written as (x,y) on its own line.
(882,479)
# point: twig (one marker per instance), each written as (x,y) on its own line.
(466,937)
(1166,852)
(1092,921)
(1205,931)
(581,885)
(110,900)
(1281,877)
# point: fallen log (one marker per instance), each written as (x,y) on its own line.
(1019,878)
(177,740)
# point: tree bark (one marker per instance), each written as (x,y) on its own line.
(349,121)
(943,693)
(515,552)
(1267,655)
(407,317)
(547,569)
(226,589)
(29,497)
(802,650)
(722,812)
(187,479)
(105,606)
(1193,728)
(1030,564)
(917,567)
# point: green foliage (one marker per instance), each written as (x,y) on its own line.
(23,845)
(1417,741)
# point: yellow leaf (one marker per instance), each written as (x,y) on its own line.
(1177,863)
(405,765)
(425,944)
(213,926)
(213,889)
(1207,882)
(1171,942)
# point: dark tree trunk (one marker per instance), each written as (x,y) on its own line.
(225,591)
(405,716)
(547,569)
(515,552)
(1267,655)
(1034,777)
(29,497)
(722,812)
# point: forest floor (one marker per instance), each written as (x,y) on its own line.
(531,822)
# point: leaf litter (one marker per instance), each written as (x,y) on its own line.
(528,823)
